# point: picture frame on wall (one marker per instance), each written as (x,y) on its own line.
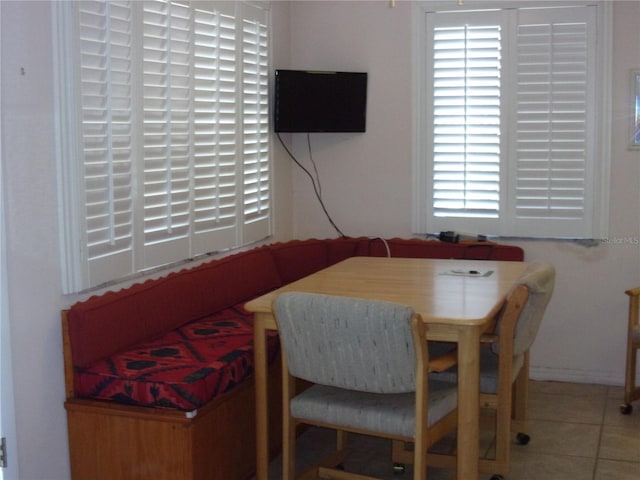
(635,110)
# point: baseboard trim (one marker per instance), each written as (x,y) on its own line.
(577,376)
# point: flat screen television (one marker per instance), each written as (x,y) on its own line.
(320,101)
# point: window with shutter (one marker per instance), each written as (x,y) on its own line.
(170,128)
(513,106)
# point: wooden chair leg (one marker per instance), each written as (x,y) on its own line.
(631,391)
(341,440)
(521,391)
(288,425)
(503,438)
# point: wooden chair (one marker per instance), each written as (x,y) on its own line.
(368,362)
(504,367)
(631,390)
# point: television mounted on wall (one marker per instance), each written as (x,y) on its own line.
(320,101)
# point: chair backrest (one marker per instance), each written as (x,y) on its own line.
(350,343)
(539,278)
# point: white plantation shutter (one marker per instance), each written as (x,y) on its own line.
(167,131)
(106,130)
(511,121)
(554,146)
(466,119)
(255,94)
(173,134)
(217,134)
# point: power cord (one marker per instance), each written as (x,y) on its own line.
(313,164)
(385,243)
(317,188)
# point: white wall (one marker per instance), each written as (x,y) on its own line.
(33,269)
(7,404)
(32,244)
(366,178)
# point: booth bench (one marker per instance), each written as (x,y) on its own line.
(159,375)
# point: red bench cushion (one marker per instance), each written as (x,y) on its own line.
(182,369)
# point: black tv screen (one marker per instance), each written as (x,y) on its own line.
(319,101)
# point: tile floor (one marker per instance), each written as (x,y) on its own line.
(577,433)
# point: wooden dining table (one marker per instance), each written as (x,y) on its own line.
(458,299)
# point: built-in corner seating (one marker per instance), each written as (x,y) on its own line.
(159,378)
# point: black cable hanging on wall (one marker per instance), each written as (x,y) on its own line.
(317,187)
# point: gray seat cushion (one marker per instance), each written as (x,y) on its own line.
(392,414)
(488,371)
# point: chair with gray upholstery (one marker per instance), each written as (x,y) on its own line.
(631,390)
(504,364)
(368,363)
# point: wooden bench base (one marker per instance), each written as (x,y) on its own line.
(109,441)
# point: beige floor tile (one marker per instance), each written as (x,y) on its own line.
(525,466)
(620,443)
(617,470)
(612,415)
(566,388)
(567,408)
(616,392)
(577,433)
(576,439)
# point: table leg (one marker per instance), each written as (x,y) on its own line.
(468,404)
(262,409)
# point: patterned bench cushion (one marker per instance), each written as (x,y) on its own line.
(183,369)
